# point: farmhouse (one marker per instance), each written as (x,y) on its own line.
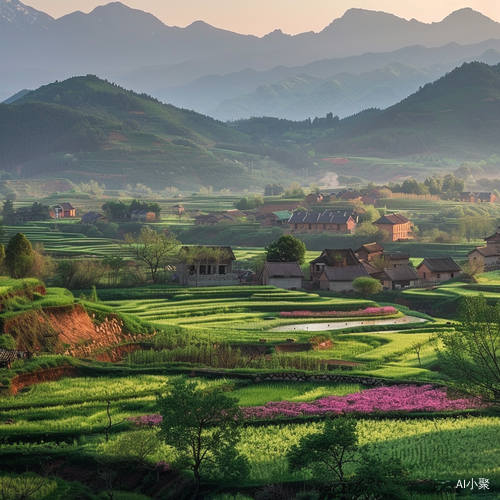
(212,220)
(343,221)
(63,210)
(394,279)
(178,209)
(494,239)
(369,251)
(488,255)
(26,214)
(478,197)
(206,265)
(314,198)
(287,275)
(280,219)
(335,269)
(93,217)
(397,226)
(438,269)
(141,214)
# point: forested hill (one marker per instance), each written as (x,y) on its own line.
(37,129)
(85,127)
(101,98)
(459,113)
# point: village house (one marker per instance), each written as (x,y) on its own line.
(212,220)
(394,279)
(178,209)
(141,214)
(26,214)
(478,197)
(63,210)
(312,198)
(489,255)
(279,219)
(335,269)
(287,275)
(494,239)
(438,269)
(328,221)
(214,268)
(93,217)
(397,226)
(369,251)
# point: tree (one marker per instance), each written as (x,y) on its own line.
(152,249)
(294,191)
(474,226)
(328,454)
(470,353)
(472,268)
(366,286)
(19,256)
(204,428)
(8,211)
(286,249)
(334,458)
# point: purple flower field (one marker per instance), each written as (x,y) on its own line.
(382,399)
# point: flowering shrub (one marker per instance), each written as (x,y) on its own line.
(368,311)
(149,420)
(382,399)
(162,466)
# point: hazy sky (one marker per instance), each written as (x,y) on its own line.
(259,17)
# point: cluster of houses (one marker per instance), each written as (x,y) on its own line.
(334,270)
(397,226)
(478,197)
(365,196)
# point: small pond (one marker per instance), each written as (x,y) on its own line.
(337,325)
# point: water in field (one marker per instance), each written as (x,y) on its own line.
(337,325)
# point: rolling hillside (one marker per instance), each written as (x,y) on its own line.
(457,115)
(87,128)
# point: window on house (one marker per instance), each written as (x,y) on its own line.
(203,269)
(324,226)
(222,269)
(439,276)
(452,275)
(310,226)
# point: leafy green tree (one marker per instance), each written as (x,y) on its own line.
(204,428)
(470,353)
(19,256)
(475,226)
(8,211)
(288,248)
(294,191)
(366,286)
(153,249)
(114,264)
(329,454)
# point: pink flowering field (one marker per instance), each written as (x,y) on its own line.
(368,311)
(406,398)
(382,399)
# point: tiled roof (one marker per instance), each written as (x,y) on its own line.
(486,251)
(66,206)
(283,269)
(326,217)
(344,273)
(401,274)
(330,256)
(370,248)
(392,219)
(436,264)
(91,217)
(185,248)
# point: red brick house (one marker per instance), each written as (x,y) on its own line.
(63,210)
(397,226)
(369,251)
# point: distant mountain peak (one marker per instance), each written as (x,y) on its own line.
(17,14)
(467,15)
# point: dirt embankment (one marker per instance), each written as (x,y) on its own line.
(26,379)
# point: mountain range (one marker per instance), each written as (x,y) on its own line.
(138,51)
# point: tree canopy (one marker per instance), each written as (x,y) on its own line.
(19,255)
(470,353)
(288,248)
(203,425)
